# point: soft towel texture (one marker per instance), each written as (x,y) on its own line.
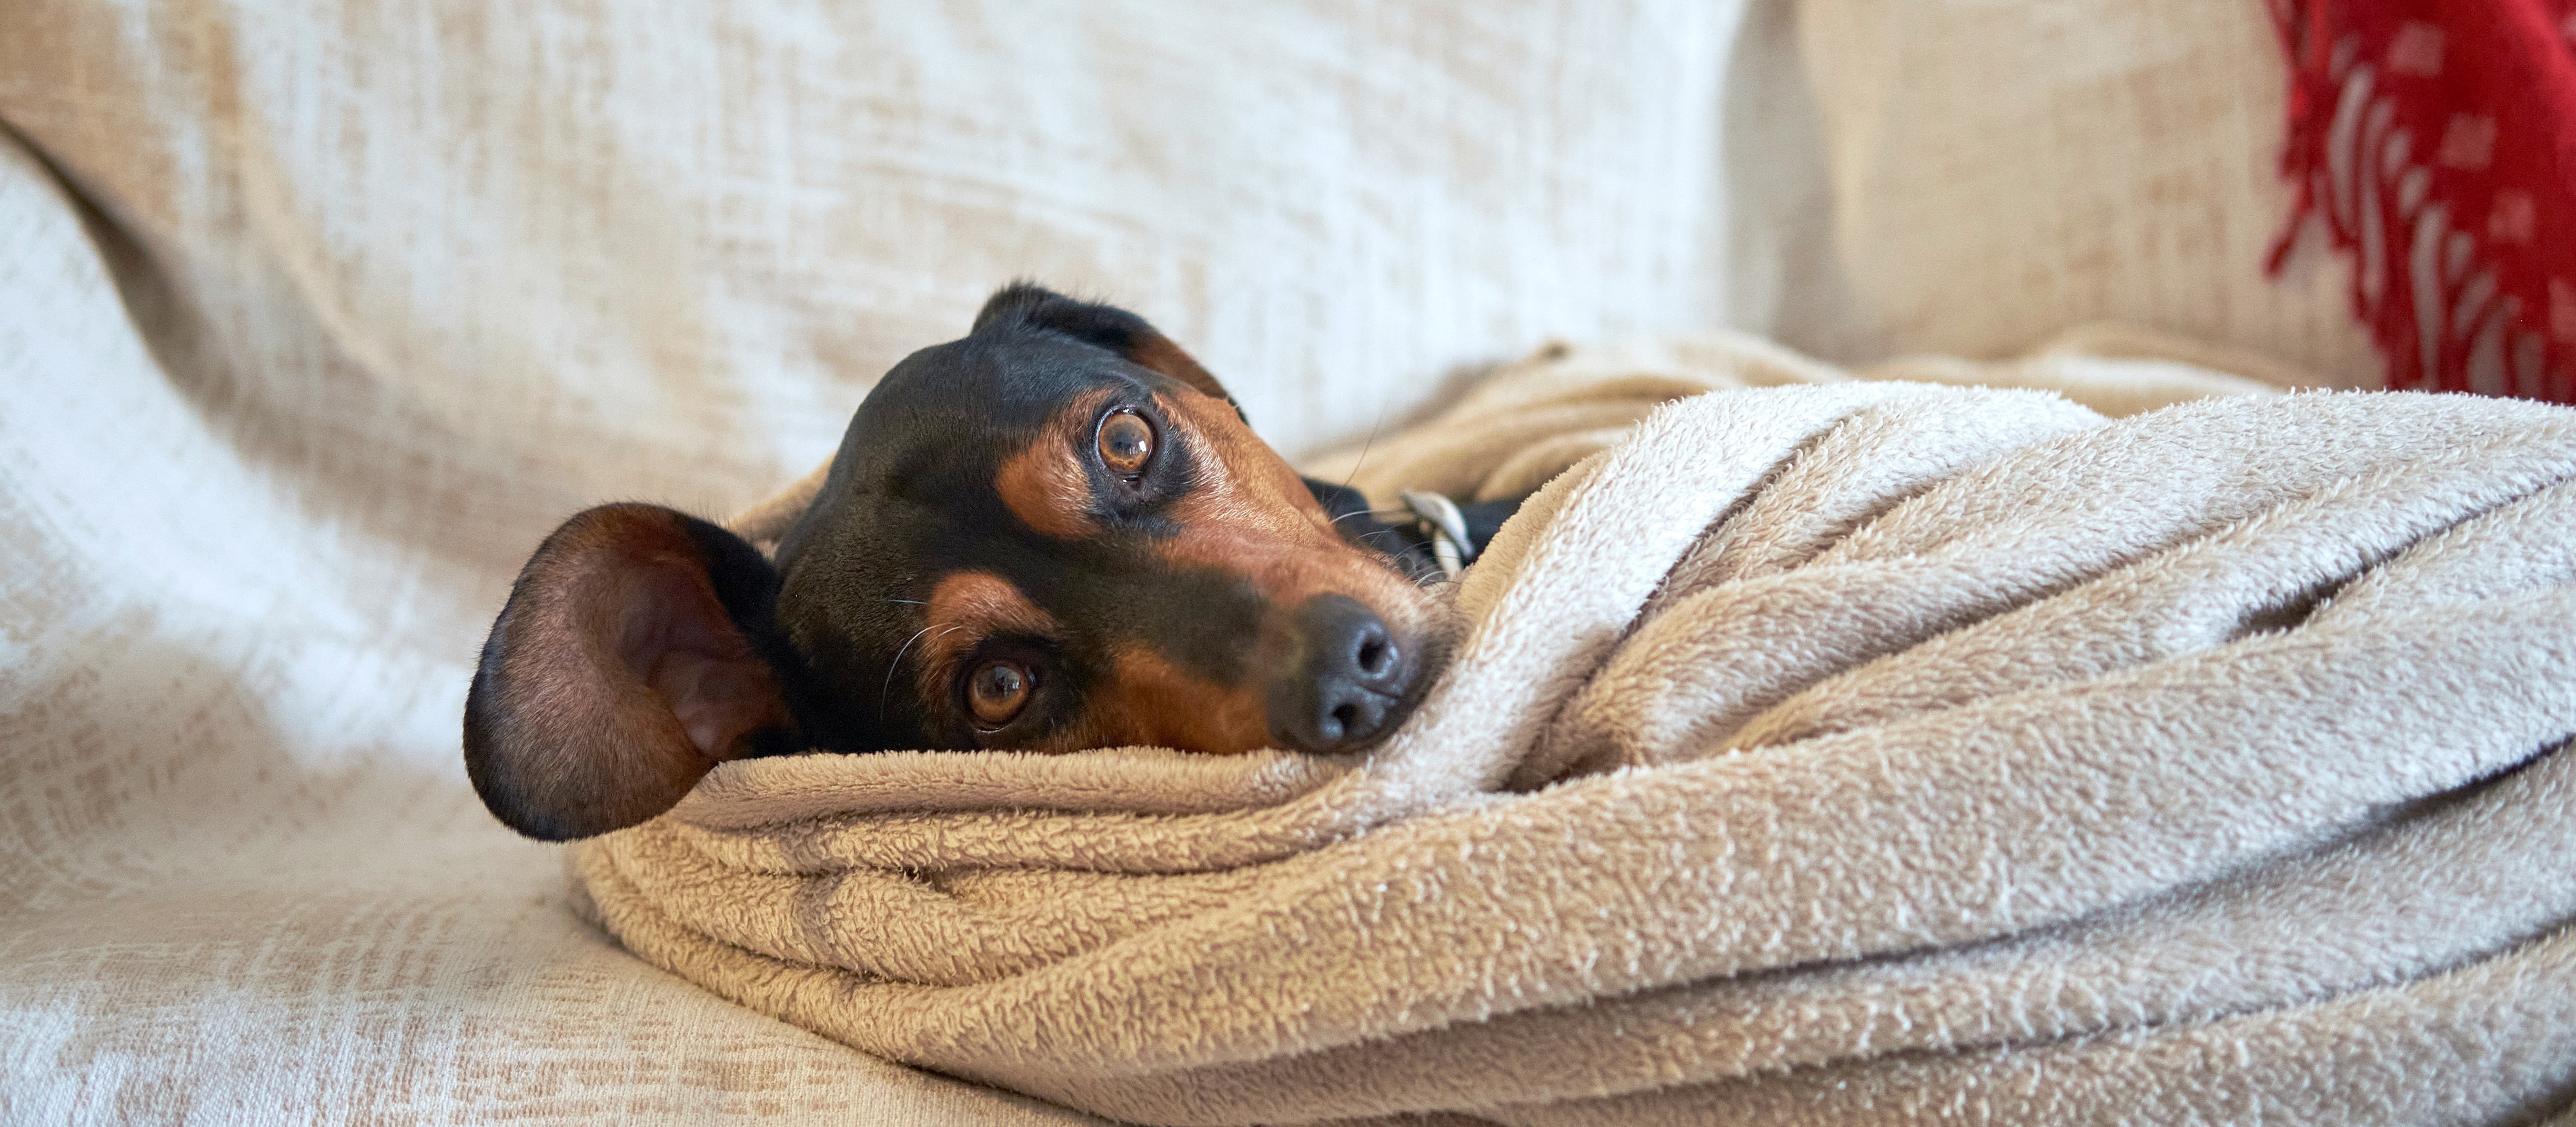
(1843,752)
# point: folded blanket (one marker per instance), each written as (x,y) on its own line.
(1846,751)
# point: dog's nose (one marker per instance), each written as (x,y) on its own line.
(1347,682)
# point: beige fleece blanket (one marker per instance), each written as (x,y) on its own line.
(1845,751)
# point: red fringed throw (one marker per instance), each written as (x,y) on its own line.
(2436,140)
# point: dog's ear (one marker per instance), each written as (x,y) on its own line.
(626,665)
(1108,326)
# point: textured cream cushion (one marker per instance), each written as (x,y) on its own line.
(582,214)
(2001,170)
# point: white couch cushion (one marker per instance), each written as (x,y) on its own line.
(2002,170)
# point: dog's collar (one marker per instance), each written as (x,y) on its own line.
(1437,520)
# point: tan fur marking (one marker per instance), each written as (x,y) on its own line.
(1046,484)
(966,608)
(1156,352)
(1148,700)
(1047,490)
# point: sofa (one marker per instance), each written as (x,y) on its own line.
(314,318)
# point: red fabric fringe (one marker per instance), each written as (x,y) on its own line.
(2436,142)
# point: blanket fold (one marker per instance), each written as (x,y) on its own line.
(1824,750)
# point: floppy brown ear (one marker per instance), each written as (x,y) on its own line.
(623,668)
(1108,326)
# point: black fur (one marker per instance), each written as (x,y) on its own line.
(912,498)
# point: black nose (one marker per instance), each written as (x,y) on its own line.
(1346,683)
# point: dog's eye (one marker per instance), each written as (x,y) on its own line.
(1126,441)
(998,690)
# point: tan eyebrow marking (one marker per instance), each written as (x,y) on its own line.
(1149,700)
(1242,480)
(1157,352)
(1044,483)
(964,609)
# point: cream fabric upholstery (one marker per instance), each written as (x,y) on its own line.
(2000,170)
(314,317)
(247,882)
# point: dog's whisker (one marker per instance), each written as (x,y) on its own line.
(1370,513)
(897,663)
(1367,446)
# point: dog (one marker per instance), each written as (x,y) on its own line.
(1056,533)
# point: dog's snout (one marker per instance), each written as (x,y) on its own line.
(1347,682)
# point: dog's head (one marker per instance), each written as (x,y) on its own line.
(1055,533)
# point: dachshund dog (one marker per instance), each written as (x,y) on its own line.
(1056,533)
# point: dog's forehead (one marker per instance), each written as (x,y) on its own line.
(918,459)
(911,495)
(985,386)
